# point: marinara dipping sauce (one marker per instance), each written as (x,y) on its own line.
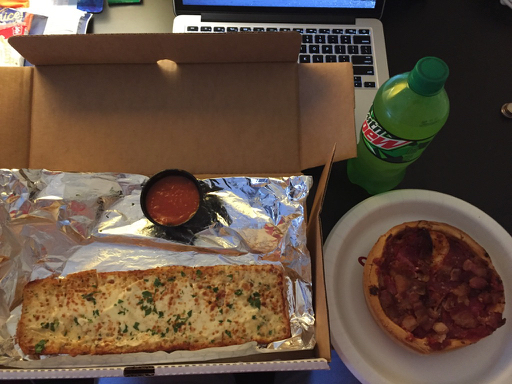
(171,198)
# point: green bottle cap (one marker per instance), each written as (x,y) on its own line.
(428,76)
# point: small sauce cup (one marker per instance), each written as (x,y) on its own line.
(171,198)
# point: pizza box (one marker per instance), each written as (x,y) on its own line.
(213,104)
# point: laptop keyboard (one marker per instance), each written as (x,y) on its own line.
(323,45)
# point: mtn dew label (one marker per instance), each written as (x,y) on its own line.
(388,147)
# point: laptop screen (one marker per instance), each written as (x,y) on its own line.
(330,8)
(286,3)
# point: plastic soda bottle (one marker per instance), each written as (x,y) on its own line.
(407,112)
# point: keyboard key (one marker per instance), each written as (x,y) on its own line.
(325,30)
(353,49)
(284,29)
(333,39)
(219,29)
(361,60)
(303,48)
(311,30)
(363,70)
(350,31)
(358,82)
(272,29)
(364,31)
(314,48)
(300,30)
(331,59)
(327,49)
(192,29)
(318,59)
(361,40)
(232,29)
(304,59)
(343,58)
(337,30)
(344,39)
(206,29)
(320,39)
(245,29)
(340,49)
(307,39)
(366,49)
(369,84)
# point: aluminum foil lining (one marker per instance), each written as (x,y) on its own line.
(56,223)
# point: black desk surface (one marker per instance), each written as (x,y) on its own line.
(471,157)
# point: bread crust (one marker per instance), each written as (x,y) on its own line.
(162,309)
(371,286)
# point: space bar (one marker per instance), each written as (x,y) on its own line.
(363,70)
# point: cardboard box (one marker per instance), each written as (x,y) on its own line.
(215,104)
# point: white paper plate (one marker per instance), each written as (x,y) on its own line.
(368,352)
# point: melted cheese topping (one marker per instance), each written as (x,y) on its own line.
(166,308)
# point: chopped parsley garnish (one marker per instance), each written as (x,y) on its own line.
(183,274)
(136,325)
(179,321)
(157,282)
(51,326)
(228,333)
(90,297)
(238,292)
(40,346)
(254,300)
(148,298)
(199,273)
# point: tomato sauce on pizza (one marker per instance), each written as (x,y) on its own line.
(432,287)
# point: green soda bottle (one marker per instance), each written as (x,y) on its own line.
(407,112)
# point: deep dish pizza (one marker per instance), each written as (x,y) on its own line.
(162,309)
(432,287)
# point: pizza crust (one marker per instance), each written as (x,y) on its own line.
(438,232)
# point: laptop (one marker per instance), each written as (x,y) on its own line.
(332,31)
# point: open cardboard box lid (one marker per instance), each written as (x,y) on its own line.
(216,104)
(228,103)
